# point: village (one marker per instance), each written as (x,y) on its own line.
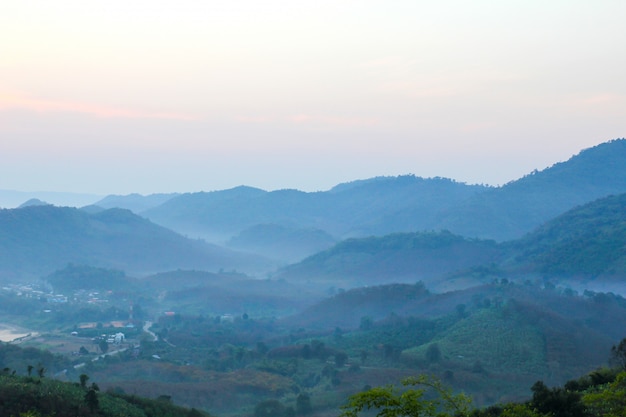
(60,325)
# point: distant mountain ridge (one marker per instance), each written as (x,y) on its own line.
(134,202)
(514,209)
(349,210)
(383,205)
(37,240)
(13,198)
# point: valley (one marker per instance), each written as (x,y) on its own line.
(229,301)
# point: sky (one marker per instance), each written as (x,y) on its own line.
(118,97)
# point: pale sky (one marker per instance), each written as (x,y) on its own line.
(124,96)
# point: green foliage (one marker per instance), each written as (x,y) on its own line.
(390,402)
(608,400)
(558,402)
(519,410)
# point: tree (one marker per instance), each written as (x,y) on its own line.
(363,356)
(366,323)
(91,398)
(41,371)
(340,359)
(303,404)
(618,354)
(391,402)
(557,402)
(83,380)
(104,346)
(262,348)
(433,353)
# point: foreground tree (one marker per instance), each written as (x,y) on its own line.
(609,400)
(412,402)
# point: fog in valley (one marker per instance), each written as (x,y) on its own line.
(233,300)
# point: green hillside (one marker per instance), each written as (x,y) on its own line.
(584,243)
(40,396)
(589,240)
(399,257)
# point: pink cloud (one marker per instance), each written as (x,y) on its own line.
(416,90)
(308,119)
(477,127)
(20,101)
(254,119)
(596,99)
(335,120)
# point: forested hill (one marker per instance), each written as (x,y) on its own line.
(40,239)
(378,206)
(509,328)
(516,208)
(384,205)
(586,242)
(399,257)
(589,240)
(41,396)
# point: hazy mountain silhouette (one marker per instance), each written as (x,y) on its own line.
(134,202)
(39,239)
(13,198)
(518,207)
(384,205)
(352,209)
(33,202)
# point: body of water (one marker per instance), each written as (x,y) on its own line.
(9,333)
